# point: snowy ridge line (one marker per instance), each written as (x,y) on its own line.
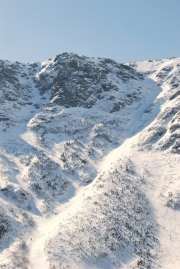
(106,203)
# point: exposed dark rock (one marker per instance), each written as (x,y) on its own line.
(79,82)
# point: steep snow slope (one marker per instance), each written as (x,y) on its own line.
(89,163)
(164,131)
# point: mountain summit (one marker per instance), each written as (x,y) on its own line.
(89,163)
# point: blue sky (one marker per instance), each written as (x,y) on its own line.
(124,30)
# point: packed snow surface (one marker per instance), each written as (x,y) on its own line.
(89,164)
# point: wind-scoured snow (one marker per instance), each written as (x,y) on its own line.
(89,164)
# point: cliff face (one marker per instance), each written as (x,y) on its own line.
(79,141)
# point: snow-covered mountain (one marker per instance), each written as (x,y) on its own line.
(89,164)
